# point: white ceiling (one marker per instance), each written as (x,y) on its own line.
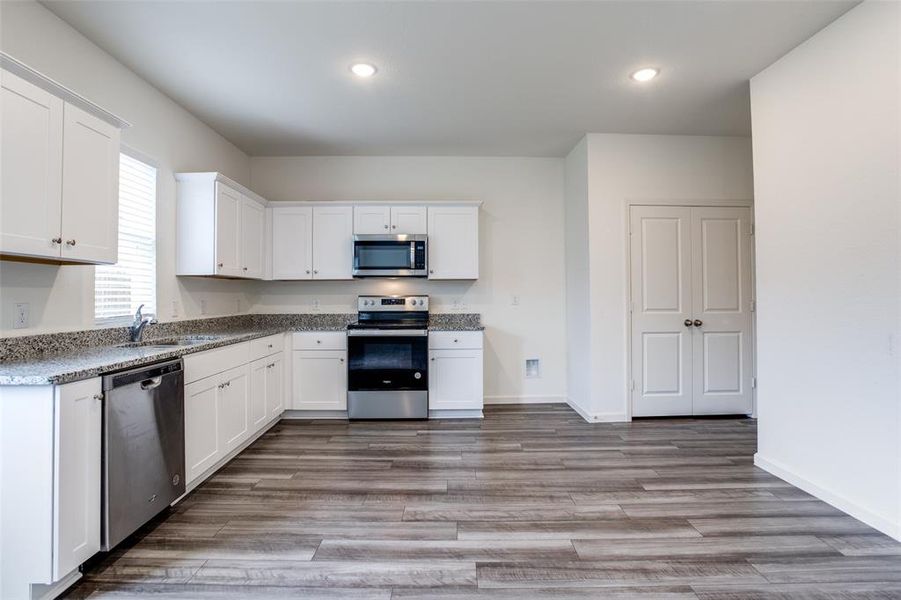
(455,78)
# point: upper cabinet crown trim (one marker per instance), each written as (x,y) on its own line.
(376,203)
(17,67)
(213,176)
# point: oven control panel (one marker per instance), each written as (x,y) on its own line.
(392,303)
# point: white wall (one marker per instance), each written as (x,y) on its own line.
(521,247)
(62,297)
(623,169)
(578,299)
(826,161)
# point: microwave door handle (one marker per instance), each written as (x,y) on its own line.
(412,255)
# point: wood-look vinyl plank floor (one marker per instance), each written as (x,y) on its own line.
(529,503)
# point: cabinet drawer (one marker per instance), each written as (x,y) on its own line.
(205,364)
(320,340)
(449,340)
(265,346)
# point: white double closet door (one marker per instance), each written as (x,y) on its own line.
(691,310)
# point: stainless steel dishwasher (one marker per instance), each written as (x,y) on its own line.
(143,446)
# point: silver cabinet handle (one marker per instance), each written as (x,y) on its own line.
(57,240)
(98,396)
(70,242)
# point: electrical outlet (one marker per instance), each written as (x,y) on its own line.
(174,308)
(203,306)
(315,303)
(237,306)
(21,317)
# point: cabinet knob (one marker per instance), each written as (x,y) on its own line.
(341,359)
(308,271)
(318,341)
(57,240)
(220,265)
(269,346)
(394,227)
(432,359)
(245,268)
(98,396)
(386,227)
(70,242)
(315,272)
(456,341)
(432,271)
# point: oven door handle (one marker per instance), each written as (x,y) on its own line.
(386,333)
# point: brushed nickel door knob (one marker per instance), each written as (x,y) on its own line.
(698,322)
(688,323)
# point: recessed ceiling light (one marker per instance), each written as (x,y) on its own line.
(363,69)
(646,74)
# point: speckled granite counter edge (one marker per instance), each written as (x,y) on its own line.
(57,358)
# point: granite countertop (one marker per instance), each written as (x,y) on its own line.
(62,358)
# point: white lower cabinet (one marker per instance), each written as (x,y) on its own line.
(201,426)
(76,462)
(455,371)
(50,477)
(320,380)
(229,398)
(232,400)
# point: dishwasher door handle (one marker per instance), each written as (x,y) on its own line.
(152,383)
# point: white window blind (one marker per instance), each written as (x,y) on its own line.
(119,289)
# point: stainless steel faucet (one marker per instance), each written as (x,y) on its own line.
(136,331)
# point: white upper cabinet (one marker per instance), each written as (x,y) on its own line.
(32,154)
(409,220)
(453,242)
(59,194)
(372,219)
(221,228)
(292,242)
(332,242)
(228,231)
(253,235)
(90,229)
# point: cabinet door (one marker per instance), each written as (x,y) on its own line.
(332,242)
(76,502)
(32,152)
(372,220)
(252,236)
(320,380)
(410,220)
(228,231)
(453,242)
(201,426)
(90,196)
(259,392)
(292,242)
(275,386)
(455,379)
(232,408)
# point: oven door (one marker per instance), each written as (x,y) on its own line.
(390,256)
(380,360)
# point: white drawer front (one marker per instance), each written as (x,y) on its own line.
(320,340)
(211,362)
(449,340)
(265,346)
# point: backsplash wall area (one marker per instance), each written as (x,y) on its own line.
(520,290)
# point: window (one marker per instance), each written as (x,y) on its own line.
(119,289)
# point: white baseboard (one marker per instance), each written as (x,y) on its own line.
(598,417)
(315,414)
(40,591)
(860,513)
(525,400)
(455,414)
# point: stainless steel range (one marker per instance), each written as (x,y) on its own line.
(388,358)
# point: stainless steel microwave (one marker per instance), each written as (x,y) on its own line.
(390,256)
